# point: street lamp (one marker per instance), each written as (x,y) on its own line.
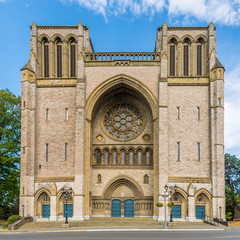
(23,210)
(165,195)
(220,209)
(67,192)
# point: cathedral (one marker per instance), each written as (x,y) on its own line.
(117,129)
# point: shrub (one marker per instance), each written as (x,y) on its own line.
(5,226)
(12,219)
(229,216)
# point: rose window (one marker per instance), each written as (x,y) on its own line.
(123,121)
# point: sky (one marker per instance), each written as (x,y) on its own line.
(126,25)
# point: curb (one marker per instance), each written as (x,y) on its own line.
(114,230)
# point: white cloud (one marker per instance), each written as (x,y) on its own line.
(232,110)
(2,1)
(118,7)
(219,11)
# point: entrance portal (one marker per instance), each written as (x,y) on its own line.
(116,208)
(129,208)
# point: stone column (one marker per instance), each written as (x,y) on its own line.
(217,141)
(53,208)
(80,157)
(28,168)
(191,204)
(163,123)
(51,59)
(65,60)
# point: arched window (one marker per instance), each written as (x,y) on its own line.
(131,158)
(172,66)
(123,155)
(106,158)
(114,158)
(46,57)
(199,56)
(186,45)
(73,58)
(147,158)
(139,158)
(98,157)
(59,58)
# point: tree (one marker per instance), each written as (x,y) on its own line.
(232,181)
(10,141)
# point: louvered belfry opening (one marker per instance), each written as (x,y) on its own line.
(199,59)
(186,57)
(46,60)
(59,60)
(172,60)
(73,60)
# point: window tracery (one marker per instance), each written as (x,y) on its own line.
(123,121)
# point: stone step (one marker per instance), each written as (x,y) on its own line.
(106,222)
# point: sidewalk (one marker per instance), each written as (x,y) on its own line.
(189,227)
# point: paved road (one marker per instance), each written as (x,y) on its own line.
(179,235)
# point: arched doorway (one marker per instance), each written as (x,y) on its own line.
(42,204)
(180,204)
(121,117)
(202,206)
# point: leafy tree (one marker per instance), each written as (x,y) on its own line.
(232,181)
(10,141)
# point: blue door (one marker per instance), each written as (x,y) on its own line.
(69,210)
(176,211)
(129,208)
(46,211)
(116,208)
(200,212)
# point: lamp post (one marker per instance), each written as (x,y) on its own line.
(220,209)
(23,210)
(67,192)
(165,195)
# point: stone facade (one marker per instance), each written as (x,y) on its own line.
(118,127)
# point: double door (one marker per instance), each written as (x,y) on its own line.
(128,208)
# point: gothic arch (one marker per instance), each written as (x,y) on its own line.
(173,38)
(205,191)
(69,37)
(120,79)
(199,37)
(38,200)
(186,37)
(42,37)
(122,180)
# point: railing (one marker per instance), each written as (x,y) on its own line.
(122,56)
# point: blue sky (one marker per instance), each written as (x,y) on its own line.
(126,25)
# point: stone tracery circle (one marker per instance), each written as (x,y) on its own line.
(123,121)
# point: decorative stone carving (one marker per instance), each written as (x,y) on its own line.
(99,137)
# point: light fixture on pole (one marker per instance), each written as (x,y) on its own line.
(165,195)
(68,193)
(220,209)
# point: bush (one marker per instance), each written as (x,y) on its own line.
(229,216)
(12,219)
(5,226)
